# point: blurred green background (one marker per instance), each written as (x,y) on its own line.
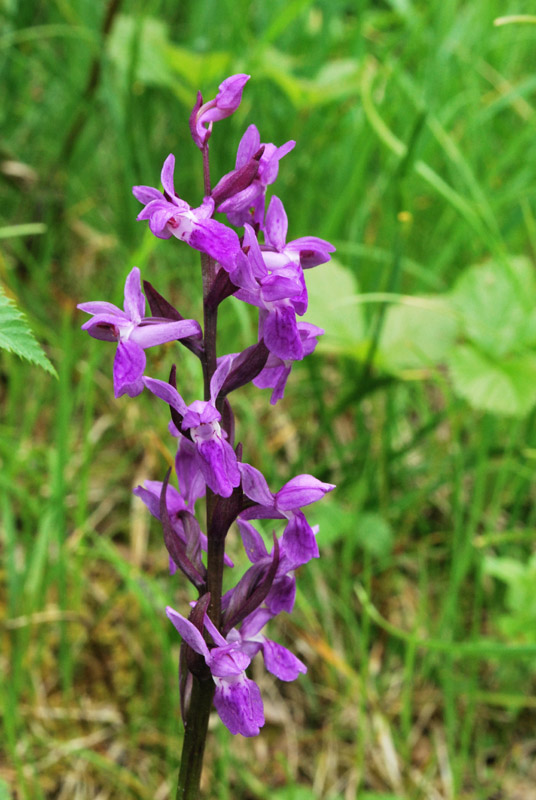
(415,130)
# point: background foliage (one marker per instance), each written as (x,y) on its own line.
(415,131)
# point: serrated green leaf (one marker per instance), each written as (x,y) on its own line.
(417,336)
(506,386)
(16,336)
(334,305)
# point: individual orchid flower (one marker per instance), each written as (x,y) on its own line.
(308,251)
(224,104)
(273,294)
(133,332)
(248,205)
(277,659)
(275,372)
(282,593)
(299,538)
(176,507)
(168,216)
(201,419)
(237,698)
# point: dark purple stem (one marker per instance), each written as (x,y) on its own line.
(196,726)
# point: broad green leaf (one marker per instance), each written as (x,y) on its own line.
(506,386)
(505,569)
(16,336)
(334,305)
(417,335)
(138,49)
(336,523)
(497,305)
(336,80)
(374,534)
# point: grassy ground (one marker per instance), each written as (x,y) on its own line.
(415,130)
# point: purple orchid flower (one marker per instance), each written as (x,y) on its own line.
(237,698)
(274,295)
(248,205)
(275,373)
(168,216)
(224,104)
(308,251)
(217,460)
(282,593)
(277,659)
(150,496)
(299,538)
(133,332)
(304,253)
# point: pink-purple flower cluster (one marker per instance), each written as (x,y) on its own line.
(261,268)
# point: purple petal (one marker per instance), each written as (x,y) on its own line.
(254,254)
(238,702)
(188,631)
(219,466)
(252,541)
(218,379)
(106,327)
(301,491)
(281,335)
(230,92)
(249,144)
(299,540)
(151,334)
(134,300)
(146,193)
(270,161)
(254,623)
(150,495)
(166,176)
(276,224)
(217,240)
(254,485)
(167,393)
(227,661)
(191,481)
(282,595)
(281,662)
(129,364)
(274,377)
(281,285)
(312,250)
(102,307)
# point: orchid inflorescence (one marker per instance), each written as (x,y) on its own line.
(222,634)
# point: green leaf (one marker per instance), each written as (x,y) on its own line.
(336,523)
(138,48)
(374,534)
(417,335)
(334,305)
(497,305)
(335,81)
(5,791)
(16,336)
(505,387)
